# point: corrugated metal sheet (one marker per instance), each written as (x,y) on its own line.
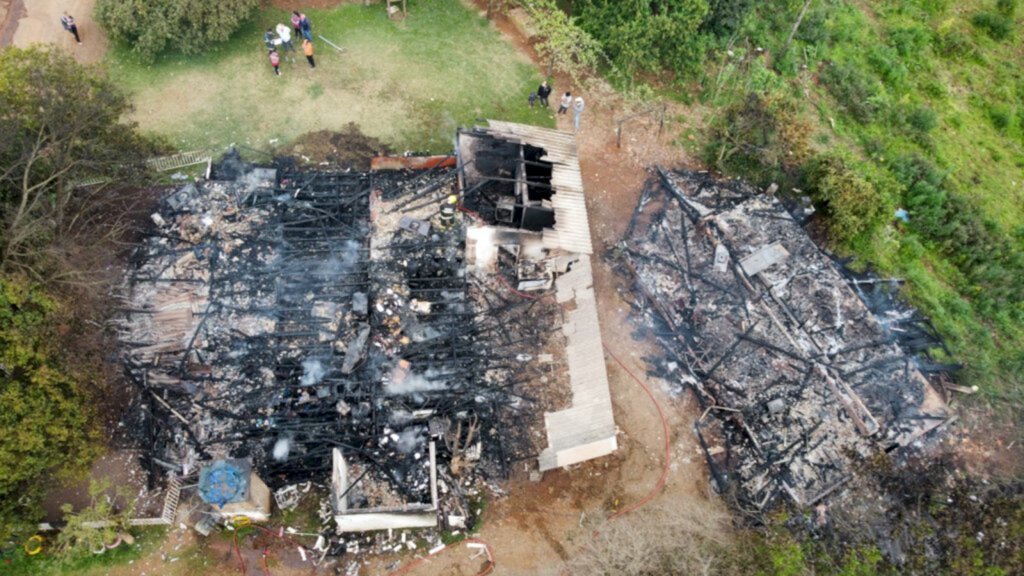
(572,228)
(586,429)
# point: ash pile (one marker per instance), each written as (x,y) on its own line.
(321,323)
(799,379)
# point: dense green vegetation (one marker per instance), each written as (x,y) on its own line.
(154,26)
(59,125)
(44,424)
(869,107)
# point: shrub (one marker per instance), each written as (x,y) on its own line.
(997,26)
(725,16)
(953,42)
(853,204)
(922,120)
(854,90)
(762,137)
(1000,117)
(647,35)
(154,26)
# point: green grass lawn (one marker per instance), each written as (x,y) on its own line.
(409,83)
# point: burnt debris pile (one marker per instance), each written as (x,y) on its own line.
(276,314)
(800,380)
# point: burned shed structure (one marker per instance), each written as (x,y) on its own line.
(335,326)
(523,183)
(800,380)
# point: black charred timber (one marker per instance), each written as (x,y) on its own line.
(243,387)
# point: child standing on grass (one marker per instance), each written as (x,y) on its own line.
(307,48)
(297,23)
(275,61)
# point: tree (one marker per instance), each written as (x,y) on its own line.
(154,26)
(44,423)
(647,35)
(97,526)
(854,205)
(60,124)
(566,47)
(761,137)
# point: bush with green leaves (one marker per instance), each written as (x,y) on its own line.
(91,529)
(45,423)
(997,26)
(150,27)
(853,89)
(762,138)
(854,205)
(647,35)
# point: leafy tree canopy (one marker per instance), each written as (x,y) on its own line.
(59,125)
(647,35)
(153,26)
(44,423)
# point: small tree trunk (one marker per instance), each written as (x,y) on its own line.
(792,33)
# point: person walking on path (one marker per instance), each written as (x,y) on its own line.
(307,48)
(566,102)
(68,22)
(543,91)
(287,46)
(577,110)
(275,61)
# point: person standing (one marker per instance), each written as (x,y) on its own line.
(307,48)
(275,61)
(270,40)
(297,23)
(68,22)
(566,102)
(543,91)
(306,27)
(577,110)
(287,46)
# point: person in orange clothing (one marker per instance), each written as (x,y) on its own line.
(307,48)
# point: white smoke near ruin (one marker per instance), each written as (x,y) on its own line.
(312,372)
(281,449)
(409,440)
(414,383)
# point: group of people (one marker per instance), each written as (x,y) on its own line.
(281,37)
(577,105)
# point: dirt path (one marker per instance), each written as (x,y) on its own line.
(26,22)
(539,527)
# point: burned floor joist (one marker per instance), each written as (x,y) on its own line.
(800,378)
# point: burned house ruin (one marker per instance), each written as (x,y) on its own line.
(799,379)
(340,327)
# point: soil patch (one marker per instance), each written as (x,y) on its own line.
(349,147)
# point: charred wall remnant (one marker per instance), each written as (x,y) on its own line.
(799,378)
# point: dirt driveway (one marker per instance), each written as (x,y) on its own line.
(26,22)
